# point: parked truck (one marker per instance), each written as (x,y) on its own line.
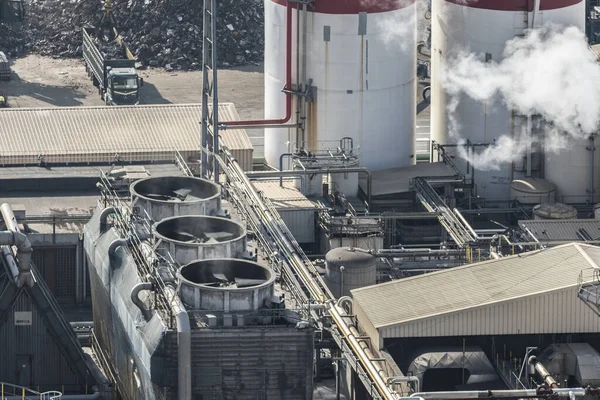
(111,66)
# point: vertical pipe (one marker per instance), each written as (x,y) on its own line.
(299,138)
(304,74)
(341,281)
(592,151)
(78,266)
(529,139)
(215,90)
(338,377)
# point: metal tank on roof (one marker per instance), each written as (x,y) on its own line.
(554,211)
(169,196)
(532,191)
(363,78)
(190,238)
(225,284)
(483,27)
(359,270)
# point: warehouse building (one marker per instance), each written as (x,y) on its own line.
(527,294)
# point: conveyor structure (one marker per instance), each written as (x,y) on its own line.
(451,219)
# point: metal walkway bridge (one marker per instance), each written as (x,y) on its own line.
(451,219)
(10,391)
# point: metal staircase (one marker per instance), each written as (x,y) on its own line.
(451,219)
(589,288)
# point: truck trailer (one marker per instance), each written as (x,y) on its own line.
(111,66)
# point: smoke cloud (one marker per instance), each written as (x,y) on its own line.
(549,72)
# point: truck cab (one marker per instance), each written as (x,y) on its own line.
(123,86)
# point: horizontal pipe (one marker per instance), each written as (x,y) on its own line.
(401,379)
(228,125)
(14,237)
(489,394)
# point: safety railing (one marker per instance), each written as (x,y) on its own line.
(588,284)
(12,391)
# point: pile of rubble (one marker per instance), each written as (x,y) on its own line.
(160,33)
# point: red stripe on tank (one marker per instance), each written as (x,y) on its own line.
(515,5)
(353,6)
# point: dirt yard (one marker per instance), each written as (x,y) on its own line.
(46,82)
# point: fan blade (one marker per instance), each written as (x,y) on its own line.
(220,277)
(218,235)
(182,193)
(241,282)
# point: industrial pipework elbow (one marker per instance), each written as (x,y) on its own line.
(115,245)
(135,292)
(104,218)
(12,236)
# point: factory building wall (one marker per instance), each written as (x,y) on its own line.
(559,311)
(57,266)
(300,222)
(29,354)
(270,362)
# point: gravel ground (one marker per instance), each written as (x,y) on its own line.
(46,82)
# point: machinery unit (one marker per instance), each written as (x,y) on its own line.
(225,284)
(175,195)
(190,238)
(483,28)
(358,78)
(214,327)
(349,268)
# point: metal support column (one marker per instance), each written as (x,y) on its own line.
(210,117)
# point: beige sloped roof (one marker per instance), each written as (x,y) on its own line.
(474,285)
(284,197)
(80,134)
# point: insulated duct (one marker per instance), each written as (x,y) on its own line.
(544,374)
(184,345)
(13,237)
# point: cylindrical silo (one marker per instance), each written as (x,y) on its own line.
(349,268)
(483,27)
(361,64)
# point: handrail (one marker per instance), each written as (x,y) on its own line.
(26,393)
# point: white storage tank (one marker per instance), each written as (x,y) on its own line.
(225,285)
(532,191)
(364,79)
(597,211)
(483,27)
(554,211)
(190,238)
(573,169)
(359,270)
(169,196)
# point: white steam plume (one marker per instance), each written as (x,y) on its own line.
(550,72)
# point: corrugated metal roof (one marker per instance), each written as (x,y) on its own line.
(284,197)
(90,134)
(565,230)
(475,285)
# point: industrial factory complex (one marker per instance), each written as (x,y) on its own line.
(403,234)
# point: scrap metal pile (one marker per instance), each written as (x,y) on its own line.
(160,33)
